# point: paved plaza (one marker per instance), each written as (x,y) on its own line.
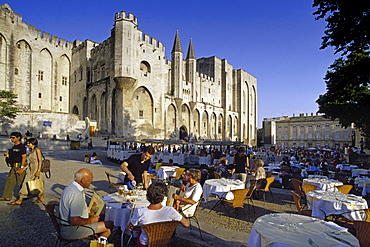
(29,225)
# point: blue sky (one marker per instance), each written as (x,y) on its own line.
(275,41)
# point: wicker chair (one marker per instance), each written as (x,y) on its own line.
(50,209)
(345,189)
(297,200)
(160,233)
(308,187)
(362,232)
(270,180)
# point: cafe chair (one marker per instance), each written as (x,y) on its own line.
(345,189)
(308,187)
(160,233)
(238,201)
(179,172)
(50,209)
(297,184)
(362,232)
(270,180)
(268,174)
(297,201)
(194,217)
(110,178)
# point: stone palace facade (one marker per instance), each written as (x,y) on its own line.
(125,85)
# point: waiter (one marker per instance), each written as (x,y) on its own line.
(137,165)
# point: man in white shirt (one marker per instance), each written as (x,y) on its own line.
(73,210)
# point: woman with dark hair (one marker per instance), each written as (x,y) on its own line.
(94,159)
(33,171)
(188,199)
(155,212)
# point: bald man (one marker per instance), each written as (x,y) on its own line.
(73,209)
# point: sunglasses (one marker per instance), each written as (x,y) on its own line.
(13,137)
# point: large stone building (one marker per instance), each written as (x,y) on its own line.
(126,85)
(307,131)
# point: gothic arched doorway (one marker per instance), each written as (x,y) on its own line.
(183,133)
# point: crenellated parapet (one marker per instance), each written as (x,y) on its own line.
(150,42)
(123,15)
(101,47)
(205,77)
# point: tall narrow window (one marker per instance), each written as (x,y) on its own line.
(40,95)
(64,80)
(40,75)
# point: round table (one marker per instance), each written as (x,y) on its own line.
(324,203)
(166,172)
(277,230)
(221,187)
(323,183)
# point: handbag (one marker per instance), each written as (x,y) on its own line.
(46,166)
(35,187)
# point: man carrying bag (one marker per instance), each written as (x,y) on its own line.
(17,160)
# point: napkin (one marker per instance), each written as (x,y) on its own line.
(106,198)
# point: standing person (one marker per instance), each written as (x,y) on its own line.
(73,209)
(90,145)
(137,166)
(33,171)
(362,144)
(241,162)
(17,160)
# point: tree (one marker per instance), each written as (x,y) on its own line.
(8,109)
(347,98)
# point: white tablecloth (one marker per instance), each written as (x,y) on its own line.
(277,230)
(323,183)
(358,172)
(346,167)
(324,203)
(221,187)
(118,215)
(363,183)
(166,172)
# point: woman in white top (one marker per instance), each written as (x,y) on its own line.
(260,174)
(188,199)
(155,212)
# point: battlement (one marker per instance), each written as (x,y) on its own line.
(205,77)
(150,42)
(123,15)
(99,47)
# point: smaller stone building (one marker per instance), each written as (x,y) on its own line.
(308,131)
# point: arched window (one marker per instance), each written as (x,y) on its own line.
(145,68)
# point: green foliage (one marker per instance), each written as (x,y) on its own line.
(347,81)
(8,109)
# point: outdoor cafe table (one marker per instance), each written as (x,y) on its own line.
(359,172)
(363,183)
(221,187)
(278,230)
(346,167)
(166,172)
(324,203)
(323,183)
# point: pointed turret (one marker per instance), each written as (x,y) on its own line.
(177,43)
(191,53)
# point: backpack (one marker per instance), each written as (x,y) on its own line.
(46,166)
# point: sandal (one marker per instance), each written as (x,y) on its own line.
(38,201)
(4,199)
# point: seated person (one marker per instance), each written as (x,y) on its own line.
(74,212)
(188,199)
(260,174)
(158,165)
(286,176)
(222,168)
(155,212)
(94,159)
(313,168)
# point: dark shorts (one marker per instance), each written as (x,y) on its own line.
(77,232)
